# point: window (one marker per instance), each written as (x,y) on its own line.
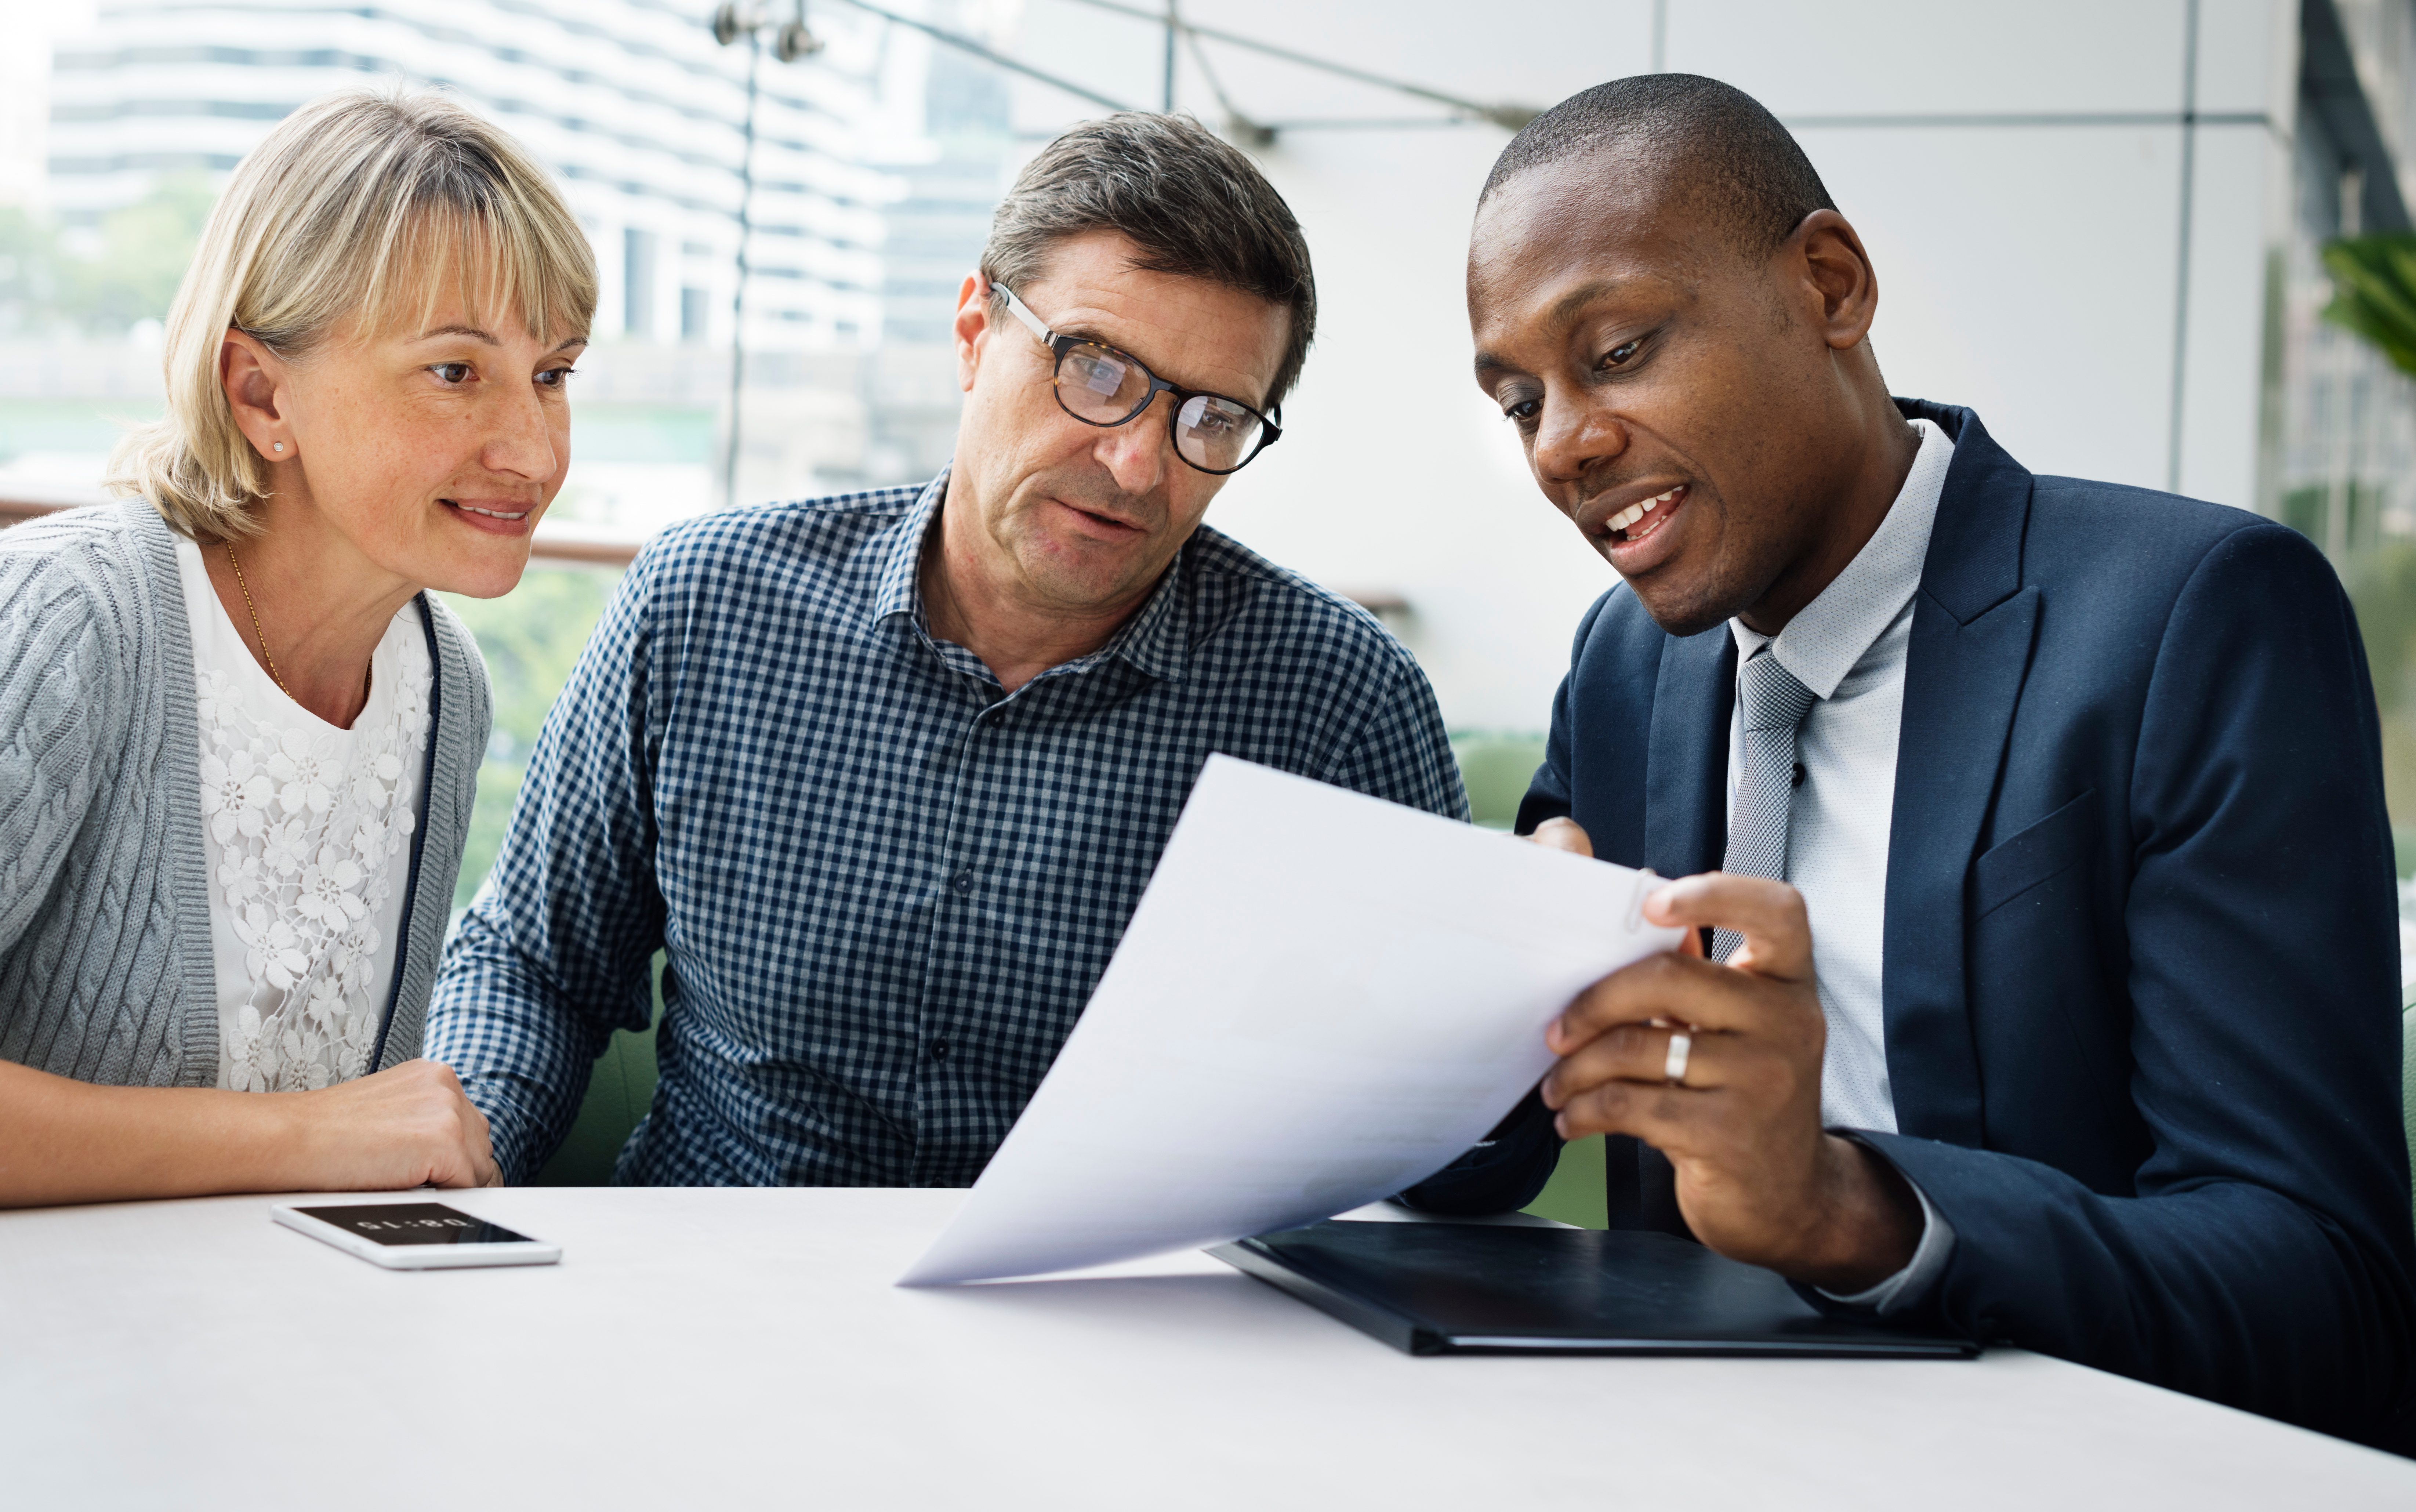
(638,283)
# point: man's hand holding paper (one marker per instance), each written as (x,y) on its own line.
(1322,999)
(1718,1067)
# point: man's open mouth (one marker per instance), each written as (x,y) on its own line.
(1107,521)
(1641,519)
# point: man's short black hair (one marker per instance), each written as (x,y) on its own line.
(1711,145)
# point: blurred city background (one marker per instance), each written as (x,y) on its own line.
(2102,223)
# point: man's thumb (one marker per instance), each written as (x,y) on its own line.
(1564,835)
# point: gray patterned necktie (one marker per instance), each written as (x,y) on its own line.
(1774,704)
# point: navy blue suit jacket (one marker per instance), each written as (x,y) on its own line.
(2141,970)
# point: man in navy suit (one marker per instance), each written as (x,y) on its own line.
(2043,979)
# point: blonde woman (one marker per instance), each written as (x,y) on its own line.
(238,735)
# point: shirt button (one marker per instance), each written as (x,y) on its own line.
(962,881)
(938,1050)
(995,721)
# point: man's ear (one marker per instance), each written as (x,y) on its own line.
(1838,275)
(972,324)
(252,377)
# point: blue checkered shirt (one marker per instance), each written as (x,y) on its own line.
(885,888)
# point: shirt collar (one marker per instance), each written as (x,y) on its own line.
(900,590)
(1155,641)
(1824,639)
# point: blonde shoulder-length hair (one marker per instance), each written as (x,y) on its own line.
(368,205)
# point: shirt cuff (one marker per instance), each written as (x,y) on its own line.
(1911,1284)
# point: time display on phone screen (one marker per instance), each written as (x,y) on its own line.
(415,1223)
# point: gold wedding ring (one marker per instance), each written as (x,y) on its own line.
(1673,1065)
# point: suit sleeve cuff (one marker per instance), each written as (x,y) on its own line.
(1911,1284)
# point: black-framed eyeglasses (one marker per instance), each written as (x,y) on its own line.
(1098,384)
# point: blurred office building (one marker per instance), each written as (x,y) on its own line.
(648,119)
(2098,223)
(2339,451)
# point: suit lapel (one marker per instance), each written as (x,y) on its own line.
(1685,828)
(1972,627)
(1685,767)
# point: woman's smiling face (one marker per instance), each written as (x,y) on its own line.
(432,447)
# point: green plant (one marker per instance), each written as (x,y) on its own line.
(531,638)
(2374,292)
(143,252)
(1496,767)
(28,272)
(2381,585)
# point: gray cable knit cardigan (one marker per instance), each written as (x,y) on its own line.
(106,967)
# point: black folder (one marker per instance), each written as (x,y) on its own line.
(1479,1289)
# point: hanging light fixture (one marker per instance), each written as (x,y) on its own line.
(792,40)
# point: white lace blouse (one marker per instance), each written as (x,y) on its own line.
(308,832)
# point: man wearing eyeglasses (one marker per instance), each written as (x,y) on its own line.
(885,774)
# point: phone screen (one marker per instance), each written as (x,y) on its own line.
(415,1223)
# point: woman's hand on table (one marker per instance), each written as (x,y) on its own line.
(64,1140)
(407,1126)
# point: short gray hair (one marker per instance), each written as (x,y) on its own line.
(1194,204)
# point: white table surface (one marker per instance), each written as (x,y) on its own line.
(745,1348)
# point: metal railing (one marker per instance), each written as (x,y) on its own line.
(563,543)
(566,543)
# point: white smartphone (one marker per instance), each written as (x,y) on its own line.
(417,1236)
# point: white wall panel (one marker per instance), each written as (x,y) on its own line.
(2240,44)
(2237,167)
(1394,473)
(1958,56)
(1536,56)
(2028,272)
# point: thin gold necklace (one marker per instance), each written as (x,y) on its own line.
(254,610)
(367,673)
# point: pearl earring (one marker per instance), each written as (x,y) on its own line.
(277,445)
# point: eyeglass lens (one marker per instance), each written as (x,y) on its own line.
(1104,386)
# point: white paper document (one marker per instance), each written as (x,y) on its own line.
(1323,998)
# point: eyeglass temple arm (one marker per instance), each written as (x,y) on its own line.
(1023,312)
